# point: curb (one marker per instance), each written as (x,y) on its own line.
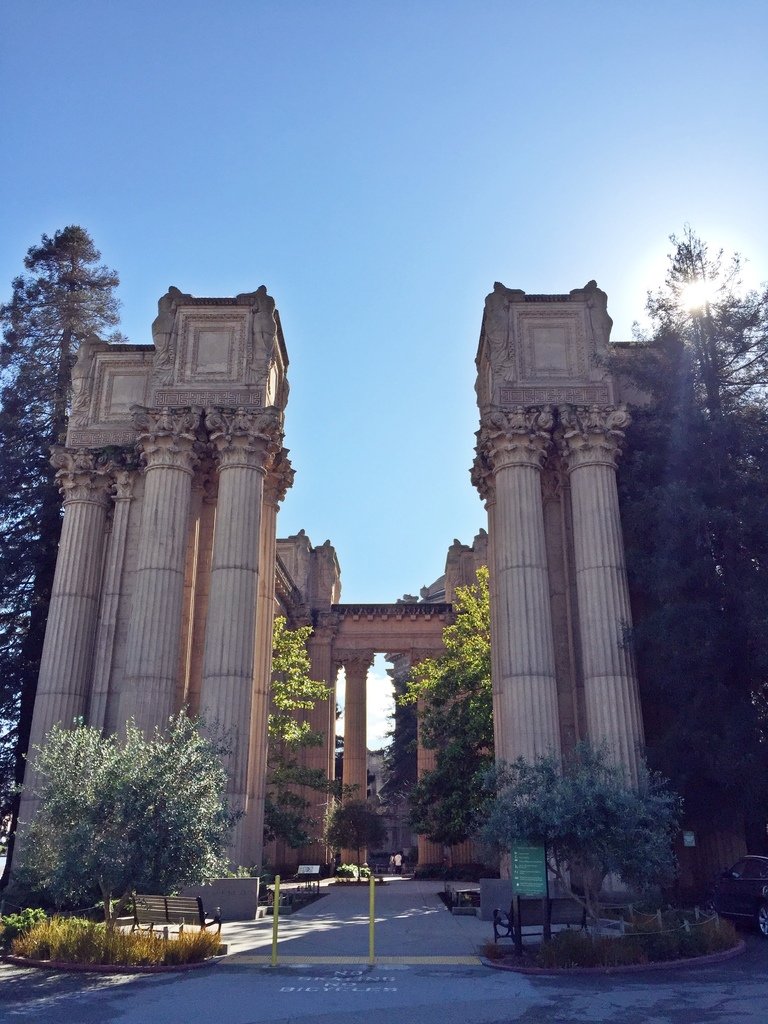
(63,965)
(659,965)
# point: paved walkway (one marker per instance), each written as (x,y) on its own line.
(412,927)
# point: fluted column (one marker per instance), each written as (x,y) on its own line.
(99,710)
(323,668)
(65,668)
(167,441)
(591,440)
(243,443)
(512,446)
(279,477)
(426,761)
(355,748)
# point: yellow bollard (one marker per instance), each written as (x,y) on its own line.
(372,917)
(275,917)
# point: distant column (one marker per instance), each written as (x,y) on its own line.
(426,761)
(243,444)
(355,750)
(511,449)
(592,437)
(167,443)
(279,477)
(65,669)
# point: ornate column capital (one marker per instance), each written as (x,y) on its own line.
(591,435)
(279,478)
(520,436)
(168,437)
(354,662)
(243,439)
(81,475)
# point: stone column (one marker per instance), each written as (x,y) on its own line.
(243,443)
(591,441)
(205,530)
(426,761)
(323,668)
(279,478)
(513,445)
(355,748)
(355,751)
(99,707)
(166,439)
(65,668)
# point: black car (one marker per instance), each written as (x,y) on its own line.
(742,892)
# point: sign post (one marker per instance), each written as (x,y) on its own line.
(529,878)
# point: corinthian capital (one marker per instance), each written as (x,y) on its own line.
(592,434)
(243,438)
(81,475)
(167,437)
(515,437)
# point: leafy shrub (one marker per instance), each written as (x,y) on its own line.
(643,943)
(16,924)
(346,871)
(73,940)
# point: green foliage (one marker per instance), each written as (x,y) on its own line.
(592,821)
(117,815)
(63,296)
(641,945)
(16,924)
(456,720)
(352,871)
(354,826)
(74,940)
(693,490)
(294,694)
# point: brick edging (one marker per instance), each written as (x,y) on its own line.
(63,965)
(657,965)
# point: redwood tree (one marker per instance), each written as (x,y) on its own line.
(63,296)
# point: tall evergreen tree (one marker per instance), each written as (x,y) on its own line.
(63,296)
(694,494)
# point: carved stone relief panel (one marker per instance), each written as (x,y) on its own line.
(119,378)
(212,346)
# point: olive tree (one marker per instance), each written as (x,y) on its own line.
(591,820)
(122,814)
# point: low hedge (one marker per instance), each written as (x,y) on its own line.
(642,943)
(77,941)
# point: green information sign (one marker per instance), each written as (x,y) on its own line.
(529,870)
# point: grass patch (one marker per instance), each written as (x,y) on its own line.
(76,941)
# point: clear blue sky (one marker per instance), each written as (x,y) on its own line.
(378,166)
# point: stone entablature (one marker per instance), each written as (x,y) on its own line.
(544,349)
(220,353)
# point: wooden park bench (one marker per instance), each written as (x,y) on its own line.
(167,912)
(562,911)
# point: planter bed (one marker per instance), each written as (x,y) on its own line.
(64,965)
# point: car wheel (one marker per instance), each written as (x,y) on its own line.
(762,919)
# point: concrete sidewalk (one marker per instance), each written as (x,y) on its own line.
(413,926)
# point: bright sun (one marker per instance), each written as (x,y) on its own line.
(696,294)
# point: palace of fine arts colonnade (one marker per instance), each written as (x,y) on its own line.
(170,572)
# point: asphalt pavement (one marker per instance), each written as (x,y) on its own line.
(426,970)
